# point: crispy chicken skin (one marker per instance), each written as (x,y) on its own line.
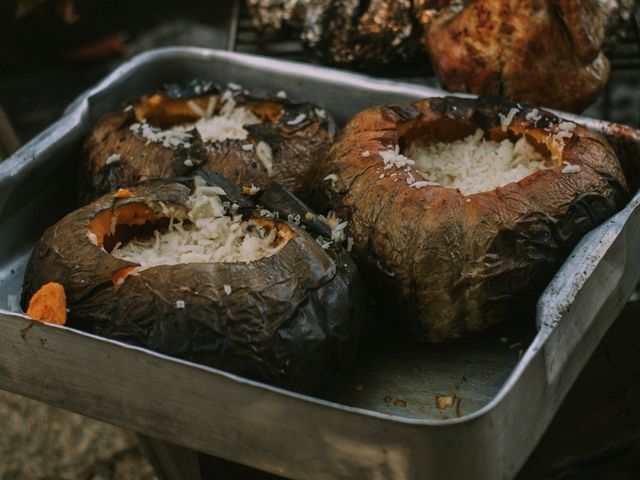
(547,52)
(540,51)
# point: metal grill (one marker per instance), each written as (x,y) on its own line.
(619,102)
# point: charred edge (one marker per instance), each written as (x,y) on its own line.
(292,110)
(277,198)
(186,181)
(186,332)
(232,191)
(587,211)
(194,88)
(546,241)
(404,113)
(269,133)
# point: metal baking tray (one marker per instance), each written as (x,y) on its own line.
(472,409)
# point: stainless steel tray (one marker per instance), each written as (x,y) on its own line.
(382,419)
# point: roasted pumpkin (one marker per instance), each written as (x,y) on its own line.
(247,138)
(447,263)
(184,269)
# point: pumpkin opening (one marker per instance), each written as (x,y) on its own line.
(464,156)
(215,118)
(210,230)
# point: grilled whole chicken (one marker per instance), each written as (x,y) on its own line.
(544,51)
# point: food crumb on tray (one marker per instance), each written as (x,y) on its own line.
(444,402)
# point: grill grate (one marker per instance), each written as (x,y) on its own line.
(619,102)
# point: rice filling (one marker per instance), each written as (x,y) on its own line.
(227,124)
(475,164)
(212,232)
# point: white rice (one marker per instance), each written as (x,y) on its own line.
(473,164)
(534,115)
(571,169)
(178,136)
(265,155)
(561,132)
(506,121)
(213,234)
(337,226)
(298,120)
(393,158)
(228,123)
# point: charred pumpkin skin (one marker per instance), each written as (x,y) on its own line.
(296,148)
(458,264)
(292,319)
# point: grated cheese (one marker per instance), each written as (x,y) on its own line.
(506,121)
(475,164)
(571,169)
(337,226)
(298,120)
(393,158)
(209,233)
(534,115)
(323,242)
(265,155)
(562,131)
(423,183)
(228,123)
(196,108)
(174,137)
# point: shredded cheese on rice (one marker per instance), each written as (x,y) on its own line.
(210,233)
(228,123)
(473,164)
